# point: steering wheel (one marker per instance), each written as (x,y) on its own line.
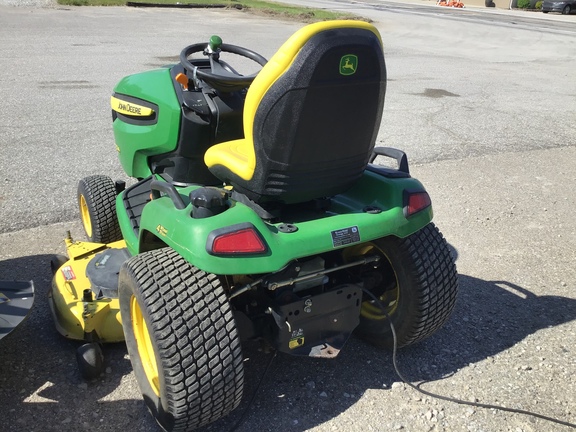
(221,76)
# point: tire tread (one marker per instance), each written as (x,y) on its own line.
(428,288)
(100,195)
(188,308)
(435,272)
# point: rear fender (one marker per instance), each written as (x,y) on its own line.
(372,209)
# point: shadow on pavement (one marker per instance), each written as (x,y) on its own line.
(41,389)
(40,386)
(300,393)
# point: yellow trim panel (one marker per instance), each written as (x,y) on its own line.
(130,108)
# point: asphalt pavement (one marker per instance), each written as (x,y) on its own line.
(485,111)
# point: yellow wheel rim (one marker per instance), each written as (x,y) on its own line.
(144,344)
(85,215)
(389,298)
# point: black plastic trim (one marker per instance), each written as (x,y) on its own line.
(134,199)
(393,153)
(386,172)
(159,186)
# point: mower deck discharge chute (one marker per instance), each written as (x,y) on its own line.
(16,300)
(258,213)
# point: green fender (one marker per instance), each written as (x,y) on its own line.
(188,236)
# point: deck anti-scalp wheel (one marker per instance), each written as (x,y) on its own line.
(182,340)
(90,360)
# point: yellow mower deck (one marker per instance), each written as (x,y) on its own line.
(79,316)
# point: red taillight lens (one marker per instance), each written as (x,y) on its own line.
(239,239)
(415,202)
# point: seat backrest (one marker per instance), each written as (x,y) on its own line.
(312,114)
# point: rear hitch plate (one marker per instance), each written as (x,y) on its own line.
(318,326)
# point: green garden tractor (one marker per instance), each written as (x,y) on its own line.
(257,213)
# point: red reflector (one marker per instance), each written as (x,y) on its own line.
(416,202)
(244,241)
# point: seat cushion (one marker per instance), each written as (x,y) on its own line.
(232,160)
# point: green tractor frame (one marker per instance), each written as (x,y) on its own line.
(257,213)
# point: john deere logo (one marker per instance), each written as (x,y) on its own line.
(348,64)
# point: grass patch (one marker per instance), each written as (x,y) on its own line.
(260,7)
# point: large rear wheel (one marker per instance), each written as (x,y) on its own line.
(97,202)
(415,281)
(182,340)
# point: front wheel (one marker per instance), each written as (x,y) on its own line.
(97,202)
(415,281)
(566,10)
(182,340)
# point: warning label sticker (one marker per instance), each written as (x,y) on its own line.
(295,343)
(297,339)
(345,236)
(68,273)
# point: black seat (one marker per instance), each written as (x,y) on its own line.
(311,116)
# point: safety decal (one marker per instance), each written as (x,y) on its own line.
(3,298)
(345,236)
(161,230)
(297,339)
(68,273)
